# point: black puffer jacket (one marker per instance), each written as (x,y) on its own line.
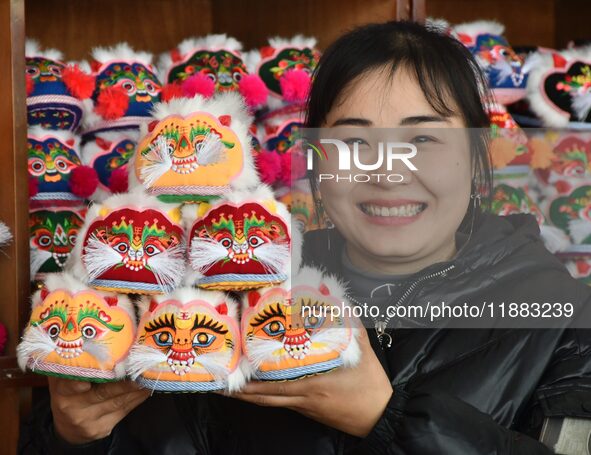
(457,391)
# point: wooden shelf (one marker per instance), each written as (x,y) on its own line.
(12,376)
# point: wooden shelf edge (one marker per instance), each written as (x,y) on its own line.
(11,376)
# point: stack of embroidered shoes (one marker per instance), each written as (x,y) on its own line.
(210,260)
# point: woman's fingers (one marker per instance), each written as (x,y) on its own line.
(84,412)
(67,387)
(121,404)
(292,388)
(269,400)
(104,392)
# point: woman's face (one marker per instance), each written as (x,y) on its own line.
(406,226)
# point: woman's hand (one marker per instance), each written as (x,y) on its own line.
(84,412)
(349,399)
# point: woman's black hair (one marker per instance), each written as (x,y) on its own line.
(444,68)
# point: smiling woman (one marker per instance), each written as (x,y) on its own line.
(425,240)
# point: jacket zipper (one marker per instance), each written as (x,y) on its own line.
(381,326)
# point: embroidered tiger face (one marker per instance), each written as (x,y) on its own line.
(507,200)
(223,67)
(572,161)
(50,103)
(284,137)
(44,71)
(136,250)
(53,236)
(294,329)
(192,342)
(136,80)
(185,155)
(113,156)
(69,333)
(234,240)
(277,62)
(300,204)
(51,163)
(503,65)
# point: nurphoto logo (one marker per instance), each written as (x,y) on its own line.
(387,153)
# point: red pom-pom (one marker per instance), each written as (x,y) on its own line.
(112,103)
(83,181)
(254,90)
(269,166)
(79,84)
(293,167)
(118,183)
(30,84)
(198,84)
(295,85)
(33,187)
(170,91)
(3,338)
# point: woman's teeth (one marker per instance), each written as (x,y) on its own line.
(401,210)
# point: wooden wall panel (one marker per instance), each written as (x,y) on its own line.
(526,21)
(14,260)
(74,26)
(254,21)
(572,21)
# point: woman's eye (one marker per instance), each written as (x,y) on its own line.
(203,339)
(422,139)
(355,140)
